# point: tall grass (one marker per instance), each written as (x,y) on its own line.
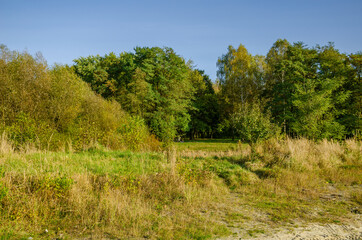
(122,194)
(101,194)
(288,179)
(5,144)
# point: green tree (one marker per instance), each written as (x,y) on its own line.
(137,96)
(252,125)
(305,89)
(277,91)
(154,83)
(205,112)
(336,72)
(352,117)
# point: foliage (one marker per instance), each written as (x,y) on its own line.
(352,114)
(241,78)
(275,83)
(307,90)
(53,109)
(252,125)
(153,83)
(205,114)
(310,92)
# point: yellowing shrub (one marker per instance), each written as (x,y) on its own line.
(54,109)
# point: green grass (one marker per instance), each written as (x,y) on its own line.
(94,162)
(102,193)
(209,145)
(123,194)
(255,232)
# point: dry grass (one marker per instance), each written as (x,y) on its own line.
(182,194)
(5,145)
(292,179)
(153,206)
(103,194)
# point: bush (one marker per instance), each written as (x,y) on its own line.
(54,109)
(252,125)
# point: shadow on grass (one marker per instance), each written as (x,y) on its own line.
(245,161)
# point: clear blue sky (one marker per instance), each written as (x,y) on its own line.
(200,30)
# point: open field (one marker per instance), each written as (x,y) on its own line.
(208,145)
(196,190)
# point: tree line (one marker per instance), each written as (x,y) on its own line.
(294,90)
(306,92)
(126,99)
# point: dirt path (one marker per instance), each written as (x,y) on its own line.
(309,232)
(257,227)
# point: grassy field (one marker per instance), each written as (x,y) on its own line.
(208,145)
(196,190)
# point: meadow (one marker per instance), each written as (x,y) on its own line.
(201,189)
(87,151)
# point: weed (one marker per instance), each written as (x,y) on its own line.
(2,171)
(6,235)
(3,192)
(356,196)
(255,232)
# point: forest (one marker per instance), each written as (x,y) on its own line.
(136,99)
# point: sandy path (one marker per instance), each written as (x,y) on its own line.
(309,232)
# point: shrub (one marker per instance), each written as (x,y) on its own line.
(53,108)
(253,125)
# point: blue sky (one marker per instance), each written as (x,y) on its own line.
(200,30)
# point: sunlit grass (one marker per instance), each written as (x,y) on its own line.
(208,145)
(94,162)
(202,194)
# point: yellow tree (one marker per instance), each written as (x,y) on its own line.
(241,79)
